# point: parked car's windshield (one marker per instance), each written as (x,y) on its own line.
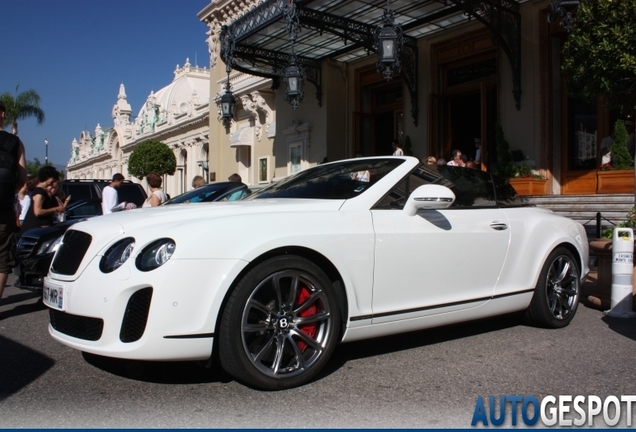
(221,191)
(331,181)
(84,208)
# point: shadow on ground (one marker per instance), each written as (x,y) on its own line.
(417,339)
(160,372)
(19,366)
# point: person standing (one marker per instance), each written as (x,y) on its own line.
(110,198)
(157,195)
(606,143)
(12,177)
(44,205)
(477,159)
(397,148)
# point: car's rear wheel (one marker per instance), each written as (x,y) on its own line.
(556,296)
(280,324)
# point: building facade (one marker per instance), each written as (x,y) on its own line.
(177,115)
(465,68)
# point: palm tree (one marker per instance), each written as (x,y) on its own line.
(24,105)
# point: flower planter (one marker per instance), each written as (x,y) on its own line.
(530,185)
(602,248)
(615,181)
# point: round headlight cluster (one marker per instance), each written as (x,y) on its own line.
(155,254)
(116,255)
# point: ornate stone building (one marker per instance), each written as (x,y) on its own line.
(177,115)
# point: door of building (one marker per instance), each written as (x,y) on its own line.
(379,114)
(465,117)
(464,103)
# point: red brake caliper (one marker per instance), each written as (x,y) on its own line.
(309,329)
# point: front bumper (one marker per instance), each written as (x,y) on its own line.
(31,271)
(169,313)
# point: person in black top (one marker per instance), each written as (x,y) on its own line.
(43,205)
(12,178)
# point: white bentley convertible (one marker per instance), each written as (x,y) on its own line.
(339,252)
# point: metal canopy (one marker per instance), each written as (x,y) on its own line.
(258,42)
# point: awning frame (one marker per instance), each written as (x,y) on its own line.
(502,17)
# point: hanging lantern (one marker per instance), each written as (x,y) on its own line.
(388,43)
(227,104)
(294,76)
(387,40)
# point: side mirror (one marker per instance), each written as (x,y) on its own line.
(429,197)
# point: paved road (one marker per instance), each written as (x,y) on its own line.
(425,379)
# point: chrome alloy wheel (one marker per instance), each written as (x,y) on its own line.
(285,325)
(562,287)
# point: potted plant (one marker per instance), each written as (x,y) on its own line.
(528,181)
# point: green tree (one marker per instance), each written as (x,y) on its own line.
(600,53)
(22,106)
(151,156)
(34,167)
(621,159)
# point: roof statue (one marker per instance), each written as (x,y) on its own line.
(121,110)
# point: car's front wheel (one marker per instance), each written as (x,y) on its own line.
(556,296)
(280,324)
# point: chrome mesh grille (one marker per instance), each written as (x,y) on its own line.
(70,255)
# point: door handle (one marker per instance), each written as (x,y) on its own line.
(499,226)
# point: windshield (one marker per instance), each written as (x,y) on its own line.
(331,181)
(212,192)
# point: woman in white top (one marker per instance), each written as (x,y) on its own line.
(157,195)
(24,196)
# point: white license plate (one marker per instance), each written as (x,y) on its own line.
(53,296)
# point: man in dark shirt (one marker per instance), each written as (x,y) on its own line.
(12,178)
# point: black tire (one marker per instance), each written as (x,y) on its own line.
(280,324)
(556,296)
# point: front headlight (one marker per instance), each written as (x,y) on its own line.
(50,245)
(155,254)
(116,255)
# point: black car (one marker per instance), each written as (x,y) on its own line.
(91,190)
(37,246)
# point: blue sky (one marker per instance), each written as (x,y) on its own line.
(76,53)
